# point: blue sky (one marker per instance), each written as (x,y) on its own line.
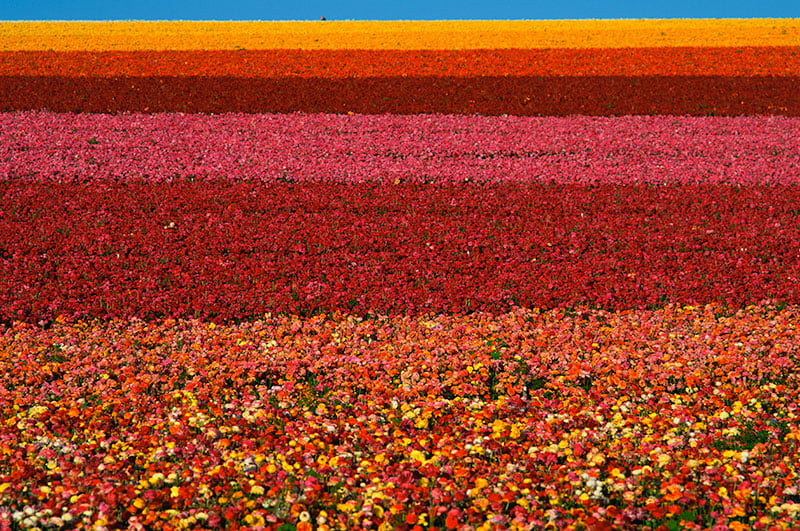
(388,9)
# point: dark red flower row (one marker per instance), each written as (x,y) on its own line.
(237,250)
(586,95)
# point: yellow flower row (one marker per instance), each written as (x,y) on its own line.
(408,35)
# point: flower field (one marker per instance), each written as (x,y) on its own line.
(524,68)
(413,275)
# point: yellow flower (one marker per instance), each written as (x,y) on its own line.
(416,455)
(347,507)
(254,519)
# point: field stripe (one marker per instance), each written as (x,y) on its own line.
(482,405)
(687,61)
(239,250)
(489,95)
(411,35)
(304,148)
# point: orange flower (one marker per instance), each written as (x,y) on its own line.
(674,492)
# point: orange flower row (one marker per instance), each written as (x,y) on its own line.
(409,35)
(335,64)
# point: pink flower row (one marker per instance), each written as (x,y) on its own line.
(43,146)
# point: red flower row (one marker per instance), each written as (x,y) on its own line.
(586,95)
(233,250)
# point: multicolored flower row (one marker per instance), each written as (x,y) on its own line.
(52,147)
(678,417)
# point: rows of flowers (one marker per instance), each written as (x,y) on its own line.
(233,250)
(640,418)
(487,95)
(437,321)
(720,61)
(619,67)
(408,35)
(53,147)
